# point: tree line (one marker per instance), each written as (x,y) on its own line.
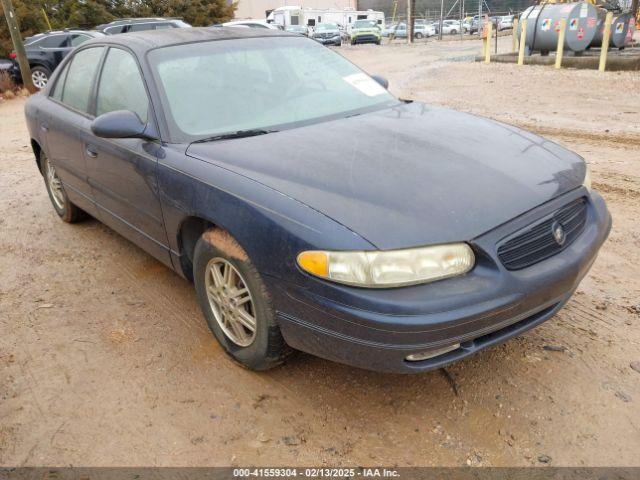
(86,14)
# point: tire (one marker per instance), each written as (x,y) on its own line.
(217,249)
(453,32)
(40,76)
(66,210)
(419,36)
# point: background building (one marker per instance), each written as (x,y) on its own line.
(258,8)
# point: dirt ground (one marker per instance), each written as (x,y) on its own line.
(105,359)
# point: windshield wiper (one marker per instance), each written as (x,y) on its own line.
(239,134)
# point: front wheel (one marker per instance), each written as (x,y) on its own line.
(453,32)
(66,210)
(419,36)
(236,303)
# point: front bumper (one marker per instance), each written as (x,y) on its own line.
(336,40)
(365,38)
(378,329)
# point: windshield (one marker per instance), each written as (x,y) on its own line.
(365,24)
(225,86)
(327,26)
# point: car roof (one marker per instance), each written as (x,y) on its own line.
(141,42)
(127,21)
(38,36)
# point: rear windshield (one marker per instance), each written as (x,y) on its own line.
(224,86)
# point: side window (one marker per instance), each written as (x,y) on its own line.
(121,86)
(77,87)
(55,41)
(163,26)
(78,39)
(139,27)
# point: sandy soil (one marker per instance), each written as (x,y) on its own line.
(106,360)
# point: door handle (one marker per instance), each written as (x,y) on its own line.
(44,127)
(91,151)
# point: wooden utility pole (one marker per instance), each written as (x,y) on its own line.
(410,4)
(441,19)
(18,46)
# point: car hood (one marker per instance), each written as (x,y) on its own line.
(408,175)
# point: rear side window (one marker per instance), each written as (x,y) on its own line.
(55,41)
(121,86)
(139,27)
(79,39)
(59,86)
(82,71)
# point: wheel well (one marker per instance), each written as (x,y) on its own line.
(41,65)
(190,231)
(35,146)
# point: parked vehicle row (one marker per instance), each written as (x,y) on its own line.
(420,30)
(46,50)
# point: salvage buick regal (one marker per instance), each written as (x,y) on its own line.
(313,210)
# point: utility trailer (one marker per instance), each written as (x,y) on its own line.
(293,15)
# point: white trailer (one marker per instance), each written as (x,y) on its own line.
(310,17)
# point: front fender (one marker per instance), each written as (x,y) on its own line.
(271,227)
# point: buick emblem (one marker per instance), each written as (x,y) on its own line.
(558,233)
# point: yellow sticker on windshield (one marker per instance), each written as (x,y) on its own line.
(365,84)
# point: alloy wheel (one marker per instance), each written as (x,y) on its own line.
(231,301)
(39,79)
(55,185)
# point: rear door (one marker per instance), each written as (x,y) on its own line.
(66,125)
(122,172)
(48,51)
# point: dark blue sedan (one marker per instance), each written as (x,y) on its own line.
(313,210)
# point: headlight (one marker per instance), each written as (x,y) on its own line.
(587,177)
(391,268)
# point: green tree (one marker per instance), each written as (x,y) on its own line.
(31,21)
(87,14)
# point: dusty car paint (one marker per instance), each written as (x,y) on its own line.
(392,178)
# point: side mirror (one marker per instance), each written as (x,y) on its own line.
(381,80)
(121,124)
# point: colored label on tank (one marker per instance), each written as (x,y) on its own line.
(546,24)
(573,24)
(580,33)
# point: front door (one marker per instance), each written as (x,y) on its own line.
(122,172)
